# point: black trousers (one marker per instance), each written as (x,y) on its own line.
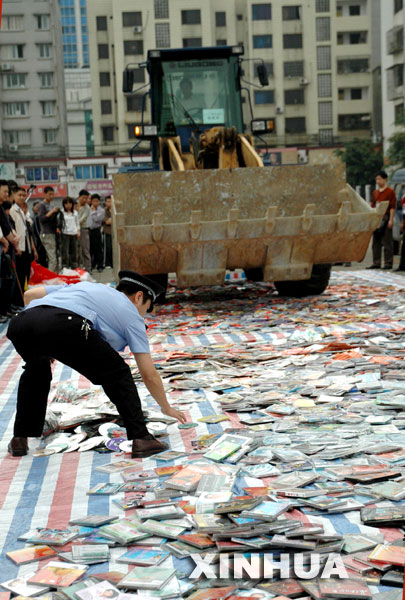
(23,268)
(96,248)
(108,250)
(45,332)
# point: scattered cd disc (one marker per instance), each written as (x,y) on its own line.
(44,452)
(77,437)
(91,443)
(58,446)
(156,426)
(112,431)
(188,425)
(73,446)
(126,446)
(114,445)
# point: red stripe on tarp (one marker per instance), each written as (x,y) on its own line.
(8,468)
(9,373)
(61,506)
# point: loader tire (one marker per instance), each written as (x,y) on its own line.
(255,274)
(317,283)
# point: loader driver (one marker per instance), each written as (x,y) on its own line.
(188,101)
(84,326)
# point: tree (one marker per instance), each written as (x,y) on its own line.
(363,160)
(396,150)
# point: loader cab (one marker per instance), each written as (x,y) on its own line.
(195,89)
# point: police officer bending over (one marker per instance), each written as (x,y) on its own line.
(84,326)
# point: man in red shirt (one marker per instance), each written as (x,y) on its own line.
(382,237)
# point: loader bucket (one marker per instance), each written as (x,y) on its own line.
(198,223)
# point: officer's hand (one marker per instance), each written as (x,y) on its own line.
(177,414)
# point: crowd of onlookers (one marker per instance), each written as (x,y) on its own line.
(76,235)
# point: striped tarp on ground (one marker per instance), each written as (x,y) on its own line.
(49,491)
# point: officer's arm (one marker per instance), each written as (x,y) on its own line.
(34,294)
(153,382)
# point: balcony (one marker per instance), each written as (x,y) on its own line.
(395,40)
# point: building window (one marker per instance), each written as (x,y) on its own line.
(106,107)
(263,41)
(49,136)
(324,85)
(190,17)
(268,66)
(354,37)
(103,51)
(133,47)
(295,125)
(325,113)
(221,42)
(354,10)
(398,75)
(15,51)
(353,65)
(108,133)
(294,96)
(19,137)
(325,137)
(41,173)
(398,5)
(322,29)
(356,93)
(161,9)
(89,172)
(48,108)
(134,103)
(132,19)
(220,19)
(357,121)
(15,109)
(292,40)
(264,97)
(45,50)
(46,80)
(101,23)
(43,22)
(399,113)
(192,42)
(323,58)
(294,68)
(12,23)
(322,6)
(291,13)
(14,81)
(261,12)
(105,80)
(162,32)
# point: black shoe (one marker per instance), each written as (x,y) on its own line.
(18,446)
(387,268)
(374,267)
(100,269)
(399,269)
(147,446)
(16,309)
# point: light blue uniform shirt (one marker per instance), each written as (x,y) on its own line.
(110,312)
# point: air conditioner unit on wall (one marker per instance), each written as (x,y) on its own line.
(304,81)
(137,29)
(13,147)
(302,157)
(19,172)
(7,67)
(279,110)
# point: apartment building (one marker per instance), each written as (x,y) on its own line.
(392,65)
(32,97)
(317,54)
